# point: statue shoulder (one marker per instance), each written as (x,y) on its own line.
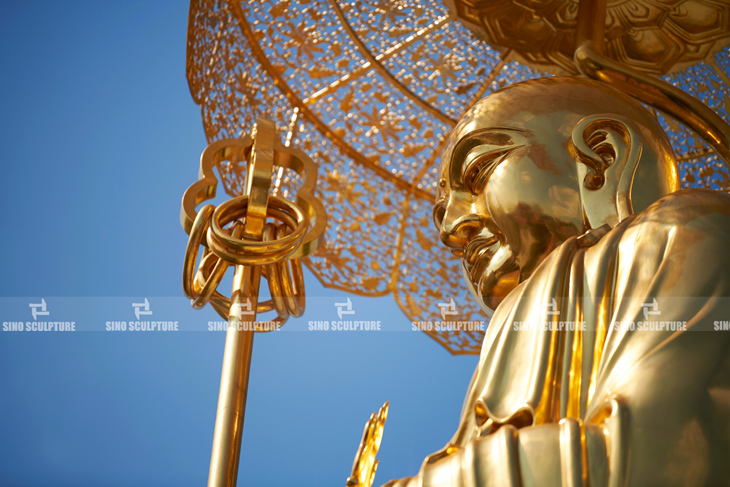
(693,214)
(682,241)
(687,206)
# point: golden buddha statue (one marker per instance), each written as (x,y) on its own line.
(602,363)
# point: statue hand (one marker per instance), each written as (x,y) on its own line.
(365,465)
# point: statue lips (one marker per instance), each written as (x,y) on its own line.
(477,255)
(492,269)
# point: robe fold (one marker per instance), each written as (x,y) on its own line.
(610,365)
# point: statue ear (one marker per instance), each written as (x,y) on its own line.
(608,149)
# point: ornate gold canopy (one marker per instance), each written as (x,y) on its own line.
(370,89)
(652,36)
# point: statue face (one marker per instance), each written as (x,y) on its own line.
(509,188)
(508,198)
(509,193)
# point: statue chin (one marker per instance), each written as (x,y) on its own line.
(500,277)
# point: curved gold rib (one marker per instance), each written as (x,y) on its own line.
(704,151)
(310,115)
(375,63)
(659,94)
(504,59)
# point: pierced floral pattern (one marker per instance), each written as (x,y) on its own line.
(369,89)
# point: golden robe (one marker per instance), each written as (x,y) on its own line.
(620,402)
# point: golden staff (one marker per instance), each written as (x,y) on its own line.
(238,232)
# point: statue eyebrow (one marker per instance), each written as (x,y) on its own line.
(475,169)
(496,136)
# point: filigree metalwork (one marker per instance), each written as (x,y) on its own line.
(366,126)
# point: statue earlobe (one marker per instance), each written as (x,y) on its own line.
(608,149)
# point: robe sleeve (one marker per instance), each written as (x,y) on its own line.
(560,454)
(657,410)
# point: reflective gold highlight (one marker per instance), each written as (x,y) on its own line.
(239,232)
(583,208)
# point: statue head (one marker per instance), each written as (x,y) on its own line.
(541,161)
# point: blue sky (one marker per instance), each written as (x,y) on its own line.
(100,138)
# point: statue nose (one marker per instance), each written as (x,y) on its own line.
(459,224)
(457,234)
